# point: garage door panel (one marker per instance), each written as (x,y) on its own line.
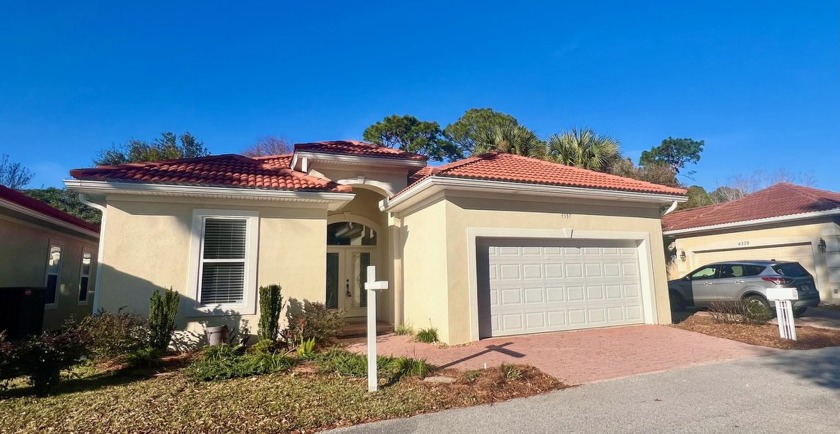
(543,285)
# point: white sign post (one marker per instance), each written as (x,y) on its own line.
(372,286)
(784,310)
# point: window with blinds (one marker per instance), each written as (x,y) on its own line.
(222,261)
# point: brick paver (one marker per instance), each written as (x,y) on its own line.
(577,357)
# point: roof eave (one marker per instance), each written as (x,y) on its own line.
(754,222)
(356,160)
(333,200)
(432,184)
(47,218)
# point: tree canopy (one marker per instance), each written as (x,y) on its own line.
(67,201)
(410,134)
(167,147)
(13,174)
(675,153)
(475,124)
(511,139)
(266,146)
(584,148)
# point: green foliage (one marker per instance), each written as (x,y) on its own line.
(167,147)
(146,357)
(312,320)
(350,364)
(306,349)
(221,362)
(264,346)
(511,140)
(429,335)
(115,334)
(67,201)
(404,330)
(12,174)
(655,173)
(410,134)
(271,303)
(740,312)
(583,148)
(674,153)
(42,358)
(474,124)
(510,372)
(163,308)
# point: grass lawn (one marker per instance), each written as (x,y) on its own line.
(301,400)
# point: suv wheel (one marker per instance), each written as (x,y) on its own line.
(761,300)
(799,311)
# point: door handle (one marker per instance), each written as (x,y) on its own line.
(708,283)
(347,289)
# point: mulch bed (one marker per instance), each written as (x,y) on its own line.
(766,335)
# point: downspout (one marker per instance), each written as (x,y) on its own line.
(670,209)
(98,285)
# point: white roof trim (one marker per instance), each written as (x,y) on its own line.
(433,184)
(97,188)
(354,160)
(46,218)
(755,222)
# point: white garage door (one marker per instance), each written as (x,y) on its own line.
(801,253)
(538,285)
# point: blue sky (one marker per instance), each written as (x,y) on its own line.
(758,81)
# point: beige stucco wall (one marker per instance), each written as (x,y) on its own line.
(23,262)
(425,285)
(436,279)
(147,245)
(827,272)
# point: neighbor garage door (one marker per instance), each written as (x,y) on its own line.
(801,253)
(539,285)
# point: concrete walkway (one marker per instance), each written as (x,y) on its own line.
(787,392)
(578,357)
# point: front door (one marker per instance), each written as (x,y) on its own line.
(346,277)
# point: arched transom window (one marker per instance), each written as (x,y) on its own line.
(350,234)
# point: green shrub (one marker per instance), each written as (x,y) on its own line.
(162,310)
(355,365)
(271,303)
(42,358)
(221,362)
(313,321)
(429,335)
(115,334)
(739,312)
(264,346)
(404,330)
(306,349)
(510,372)
(146,357)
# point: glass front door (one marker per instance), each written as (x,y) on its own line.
(346,277)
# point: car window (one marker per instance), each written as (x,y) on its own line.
(792,269)
(704,273)
(752,270)
(728,271)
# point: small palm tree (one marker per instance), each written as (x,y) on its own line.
(514,139)
(583,148)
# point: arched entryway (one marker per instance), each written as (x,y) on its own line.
(352,246)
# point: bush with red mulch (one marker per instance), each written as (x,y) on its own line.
(766,335)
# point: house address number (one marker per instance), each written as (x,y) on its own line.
(743,243)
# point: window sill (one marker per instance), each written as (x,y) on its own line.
(222,310)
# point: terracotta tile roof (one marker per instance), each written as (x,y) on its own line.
(514,168)
(776,201)
(42,208)
(361,149)
(269,173)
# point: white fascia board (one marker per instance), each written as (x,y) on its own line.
(432,184)
(46,218)
(102,188)
(756,222)
(355,160)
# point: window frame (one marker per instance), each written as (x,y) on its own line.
(47,274)
(247,306)
(89,293)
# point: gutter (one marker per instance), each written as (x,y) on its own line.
(755,222)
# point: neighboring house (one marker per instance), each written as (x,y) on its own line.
(44,247)
(784,222)
(491,245)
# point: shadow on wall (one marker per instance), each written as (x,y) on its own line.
(136,293)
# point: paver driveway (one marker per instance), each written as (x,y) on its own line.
(577,357)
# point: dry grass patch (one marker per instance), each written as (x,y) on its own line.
(766,335)
(300,400)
